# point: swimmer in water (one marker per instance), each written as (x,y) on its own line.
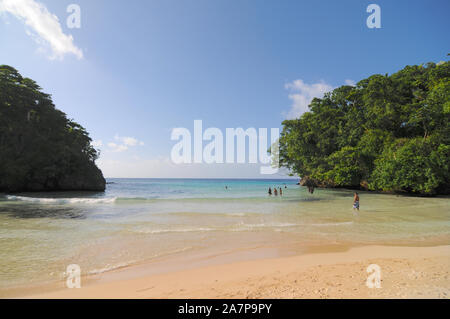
(356,201)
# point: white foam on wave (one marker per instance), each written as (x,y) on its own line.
(236,214)
(109,267)
(333,224)
(173,230)
(62,200)
(278,226)
(244,227)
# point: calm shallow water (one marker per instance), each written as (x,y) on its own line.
(138,220)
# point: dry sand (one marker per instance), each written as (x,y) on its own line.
(406,272)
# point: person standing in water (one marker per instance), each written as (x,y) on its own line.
(270,191)
(281,192)
(356,201)
(275,192)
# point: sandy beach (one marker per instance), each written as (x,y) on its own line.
(406,272)
(233,246)
(224,150)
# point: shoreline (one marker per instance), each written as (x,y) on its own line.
(407,272)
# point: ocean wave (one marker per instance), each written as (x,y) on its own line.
(42,200)
(245,227)
(131,200)
(173,230)
(238,214)
(207,214)
(109,267)
(278,226)
(332,224)
(233,228)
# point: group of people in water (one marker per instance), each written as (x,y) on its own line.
(279,191)
(276,191)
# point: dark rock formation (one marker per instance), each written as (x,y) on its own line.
(40,149)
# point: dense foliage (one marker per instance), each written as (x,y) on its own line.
(40,149)
(388,133)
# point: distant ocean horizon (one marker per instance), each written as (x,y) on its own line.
(139,219)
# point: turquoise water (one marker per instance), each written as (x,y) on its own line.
(138,220)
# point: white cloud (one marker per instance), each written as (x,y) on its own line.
(350,82)
(97,143)
(117,147)
(129,141)
(302,94)
(45,25)
(164,168)
(123,143)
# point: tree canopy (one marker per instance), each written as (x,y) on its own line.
(387,133)
(40,148)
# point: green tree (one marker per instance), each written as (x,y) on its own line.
(40,149)
(413,165)
(387,133)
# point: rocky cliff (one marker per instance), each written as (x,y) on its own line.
(40,148)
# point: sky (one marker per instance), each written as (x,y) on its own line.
(135,70)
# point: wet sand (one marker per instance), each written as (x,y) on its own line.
(406,272)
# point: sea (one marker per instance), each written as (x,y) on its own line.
(138,221)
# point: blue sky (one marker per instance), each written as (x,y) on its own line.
(137,69)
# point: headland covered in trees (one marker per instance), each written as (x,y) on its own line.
(40,149)
(387,133)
